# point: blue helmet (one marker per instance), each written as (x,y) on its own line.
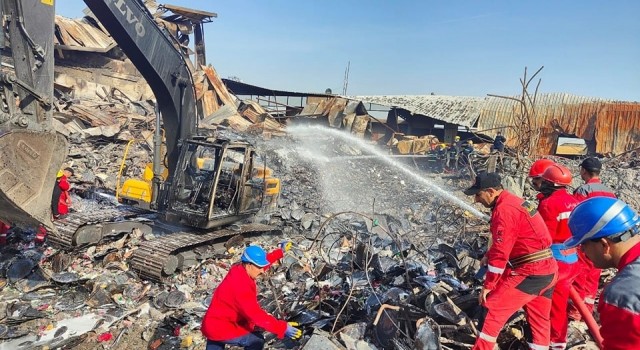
(255,255)
(599,217)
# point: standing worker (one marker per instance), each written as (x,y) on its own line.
(61,201)
(453,152)
(607,230)
(586,284)
(4,230)
(521,271)
(234,310)
(537,169)
(498,142)
(593,187)
(555,206)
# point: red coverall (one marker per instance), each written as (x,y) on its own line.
(586,283)
(234,310)
(517,230)
(4,228)
(555,210)
(619,305)
(65,200)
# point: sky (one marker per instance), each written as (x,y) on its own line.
(460,48)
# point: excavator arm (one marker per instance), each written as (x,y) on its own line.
(31,152)
(163,66)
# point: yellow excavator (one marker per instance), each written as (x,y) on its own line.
(200,184)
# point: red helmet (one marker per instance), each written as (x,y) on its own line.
(539,166)
(558,174)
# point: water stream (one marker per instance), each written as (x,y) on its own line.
(302,132)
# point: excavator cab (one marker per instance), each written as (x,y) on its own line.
(138,192)
(217,184)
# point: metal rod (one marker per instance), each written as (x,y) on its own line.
(157,166)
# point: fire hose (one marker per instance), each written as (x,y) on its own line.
(587,316)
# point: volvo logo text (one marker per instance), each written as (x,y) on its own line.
(131,18)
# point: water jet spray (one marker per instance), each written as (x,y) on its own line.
(314,130)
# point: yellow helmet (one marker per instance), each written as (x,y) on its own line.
(470,142)
(59,174)
(457,138)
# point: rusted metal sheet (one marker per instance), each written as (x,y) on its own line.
(612,124)
(461,110)
(359,126)
(80,35)
(219,87)
(618,128)
(340,113)
(336,113)
(191,14)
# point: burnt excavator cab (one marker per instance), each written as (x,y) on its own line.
(215,184)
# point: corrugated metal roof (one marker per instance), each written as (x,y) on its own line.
(240,88)
(199,16)
(461,110)
(611,123)
(80,35)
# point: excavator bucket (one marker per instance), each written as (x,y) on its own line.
(29,161)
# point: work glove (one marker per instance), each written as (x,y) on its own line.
(285,246)
(292,332)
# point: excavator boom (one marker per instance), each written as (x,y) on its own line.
(31,152)
(160,63)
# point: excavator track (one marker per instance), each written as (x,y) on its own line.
(155,259)
(80,229)
(159,258)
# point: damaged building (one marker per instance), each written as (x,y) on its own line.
(380,260)
(564,124)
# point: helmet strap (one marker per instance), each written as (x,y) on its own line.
(626,235)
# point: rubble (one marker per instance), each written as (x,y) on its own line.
(380,262)
(397,271)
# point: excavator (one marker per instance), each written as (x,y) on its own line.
(199,185)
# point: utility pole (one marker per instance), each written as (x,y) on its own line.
(346,79)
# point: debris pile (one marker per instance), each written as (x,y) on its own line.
(397,274)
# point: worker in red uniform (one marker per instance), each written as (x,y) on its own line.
(234,310)
(4,230)
(521,271)
(537,169)
(607,231)
(586,284)
(590,172)
(555,206)
(61,201)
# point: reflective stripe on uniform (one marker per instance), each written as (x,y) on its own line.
(589,301)
(494,269)
(556,346)
(563,215)
(538,347)
(487,337)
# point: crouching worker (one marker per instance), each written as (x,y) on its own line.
(608,231)
(234,310)
(521,271)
